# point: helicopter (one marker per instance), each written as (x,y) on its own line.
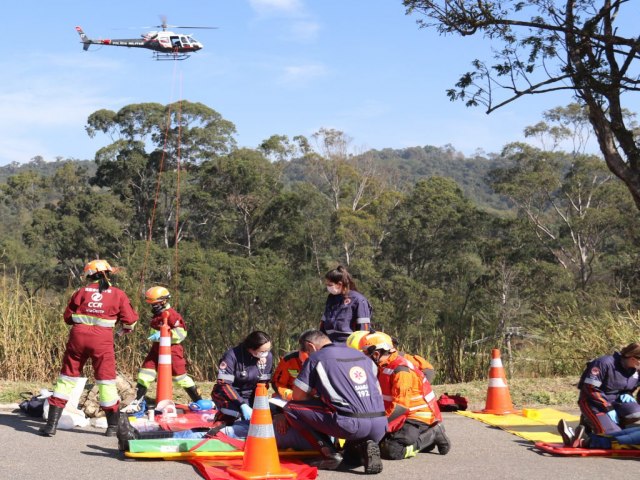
(166,45)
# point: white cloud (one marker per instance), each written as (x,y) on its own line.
(301,74)
(265,6)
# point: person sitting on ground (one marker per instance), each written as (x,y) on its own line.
(415,421)
(158,297)
(348,406)
(606,386)
(286,373)
(240,370)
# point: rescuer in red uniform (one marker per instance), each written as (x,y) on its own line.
(93,311)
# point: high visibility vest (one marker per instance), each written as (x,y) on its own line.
(423,406)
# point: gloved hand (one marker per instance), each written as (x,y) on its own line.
(246,411)
(613,415)
(154,338)
(626,398)
(201,404)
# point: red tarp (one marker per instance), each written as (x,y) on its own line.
(217,469)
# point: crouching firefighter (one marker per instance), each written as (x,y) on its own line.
(158,297)
(415,421)
(93,311)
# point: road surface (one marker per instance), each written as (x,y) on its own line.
(478,452)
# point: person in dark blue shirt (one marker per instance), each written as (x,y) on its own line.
(606,391)
(239,371)
(337,394)
(346,310)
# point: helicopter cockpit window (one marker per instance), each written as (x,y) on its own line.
(175,42)
(185,41)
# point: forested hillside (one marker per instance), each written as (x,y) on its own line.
(242,237)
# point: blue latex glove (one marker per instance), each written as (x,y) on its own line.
(246,411)
(626,398)
(613,415)
(201,404)
(154,338)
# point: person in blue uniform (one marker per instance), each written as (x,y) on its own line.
(346,309)
(239,371)
(606,386)
(337,394)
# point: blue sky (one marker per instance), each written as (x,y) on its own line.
(272,67)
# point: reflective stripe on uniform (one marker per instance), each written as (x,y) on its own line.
(324,380)
(95,321)
(64,386)
(301,385)
(146,376)
(108,393)
(226,377)
(363,320)
(591,381)
(231,413)
(184,381)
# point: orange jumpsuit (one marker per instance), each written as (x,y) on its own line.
(421,364)
(286,373)
(410,406)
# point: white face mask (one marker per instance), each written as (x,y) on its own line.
(334,290)
(260,354)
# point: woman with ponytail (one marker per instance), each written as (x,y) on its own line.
(346,309)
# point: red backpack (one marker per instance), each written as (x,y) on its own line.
(452,403)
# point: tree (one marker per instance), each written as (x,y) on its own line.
(572,207)
(575,47)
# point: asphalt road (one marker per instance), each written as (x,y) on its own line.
(478,452)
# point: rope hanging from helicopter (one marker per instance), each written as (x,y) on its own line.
(175,276)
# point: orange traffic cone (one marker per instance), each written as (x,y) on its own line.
(498,396)
(164,387)
(260,449)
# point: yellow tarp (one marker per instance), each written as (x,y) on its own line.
(536,425)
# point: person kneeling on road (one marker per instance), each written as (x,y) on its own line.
(415,421)
(349,404)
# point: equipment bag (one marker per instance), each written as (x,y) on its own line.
(452,403)
(32,405)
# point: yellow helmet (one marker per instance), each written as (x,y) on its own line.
(376,341)
(96,266)
(353,341)
(157,295)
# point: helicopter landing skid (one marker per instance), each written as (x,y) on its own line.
(170,56)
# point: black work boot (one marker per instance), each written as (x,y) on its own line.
(49,430)
(127,432)
(193,393)
(441,439)
(112,423)
(370,454)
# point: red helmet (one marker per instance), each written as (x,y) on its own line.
(97,266)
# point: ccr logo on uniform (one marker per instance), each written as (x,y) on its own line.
(96,297)
(358,375)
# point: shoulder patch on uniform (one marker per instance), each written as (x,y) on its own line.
(347,301)
(595,371)
(223,365)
